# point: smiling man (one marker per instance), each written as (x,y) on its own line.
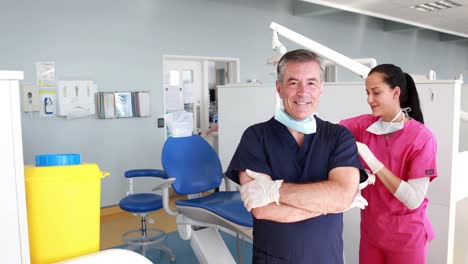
(298,172)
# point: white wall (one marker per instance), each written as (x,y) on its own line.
(461,234)
(119,44)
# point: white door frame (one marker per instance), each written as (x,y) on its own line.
(236,61)
(234,71)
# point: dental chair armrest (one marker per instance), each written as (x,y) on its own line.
(130,174)
(164,186)
(146,173)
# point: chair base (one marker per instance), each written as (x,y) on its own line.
(209,247)
(154,238)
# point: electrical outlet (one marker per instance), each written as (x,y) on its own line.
(160,122)
(31,98)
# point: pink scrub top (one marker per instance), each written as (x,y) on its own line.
(409,153)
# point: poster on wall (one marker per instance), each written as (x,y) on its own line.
(45,74)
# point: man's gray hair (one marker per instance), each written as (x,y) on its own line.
(298,55)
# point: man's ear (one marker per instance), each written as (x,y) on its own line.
(278,88)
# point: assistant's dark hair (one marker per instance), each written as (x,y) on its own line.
(298,55)
(394,76)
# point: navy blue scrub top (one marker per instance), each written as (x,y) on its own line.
(270,148)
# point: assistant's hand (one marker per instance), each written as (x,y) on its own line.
(366,154)
(261,191)
(358,201)
(370,180)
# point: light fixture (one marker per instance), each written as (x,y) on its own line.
(436,6)
(278,50)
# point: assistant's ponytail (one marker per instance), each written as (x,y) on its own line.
(412,100)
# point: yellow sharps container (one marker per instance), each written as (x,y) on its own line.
(63,205)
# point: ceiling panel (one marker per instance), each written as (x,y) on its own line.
(452,21)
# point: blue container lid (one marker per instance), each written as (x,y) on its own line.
(57,159)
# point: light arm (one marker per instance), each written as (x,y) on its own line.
(323,51)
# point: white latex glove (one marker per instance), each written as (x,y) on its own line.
(261,191)
(358,201)
(370,180)
(366,154)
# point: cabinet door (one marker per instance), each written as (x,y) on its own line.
(14,238)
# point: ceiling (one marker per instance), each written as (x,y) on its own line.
(453,22)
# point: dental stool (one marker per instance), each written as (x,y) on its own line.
(141,204)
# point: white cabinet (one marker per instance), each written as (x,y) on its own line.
(240,106)
(14,239)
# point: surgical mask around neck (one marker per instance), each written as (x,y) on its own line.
(381,127)
(306,126)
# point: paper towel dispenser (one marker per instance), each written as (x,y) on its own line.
(75,98)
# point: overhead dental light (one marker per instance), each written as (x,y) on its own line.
(278,50)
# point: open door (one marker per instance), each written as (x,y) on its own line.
(190,85)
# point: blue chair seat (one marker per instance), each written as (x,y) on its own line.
(228,205)
(141,202)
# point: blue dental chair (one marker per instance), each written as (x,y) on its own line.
(193,168)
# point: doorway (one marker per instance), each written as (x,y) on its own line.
(190,84)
